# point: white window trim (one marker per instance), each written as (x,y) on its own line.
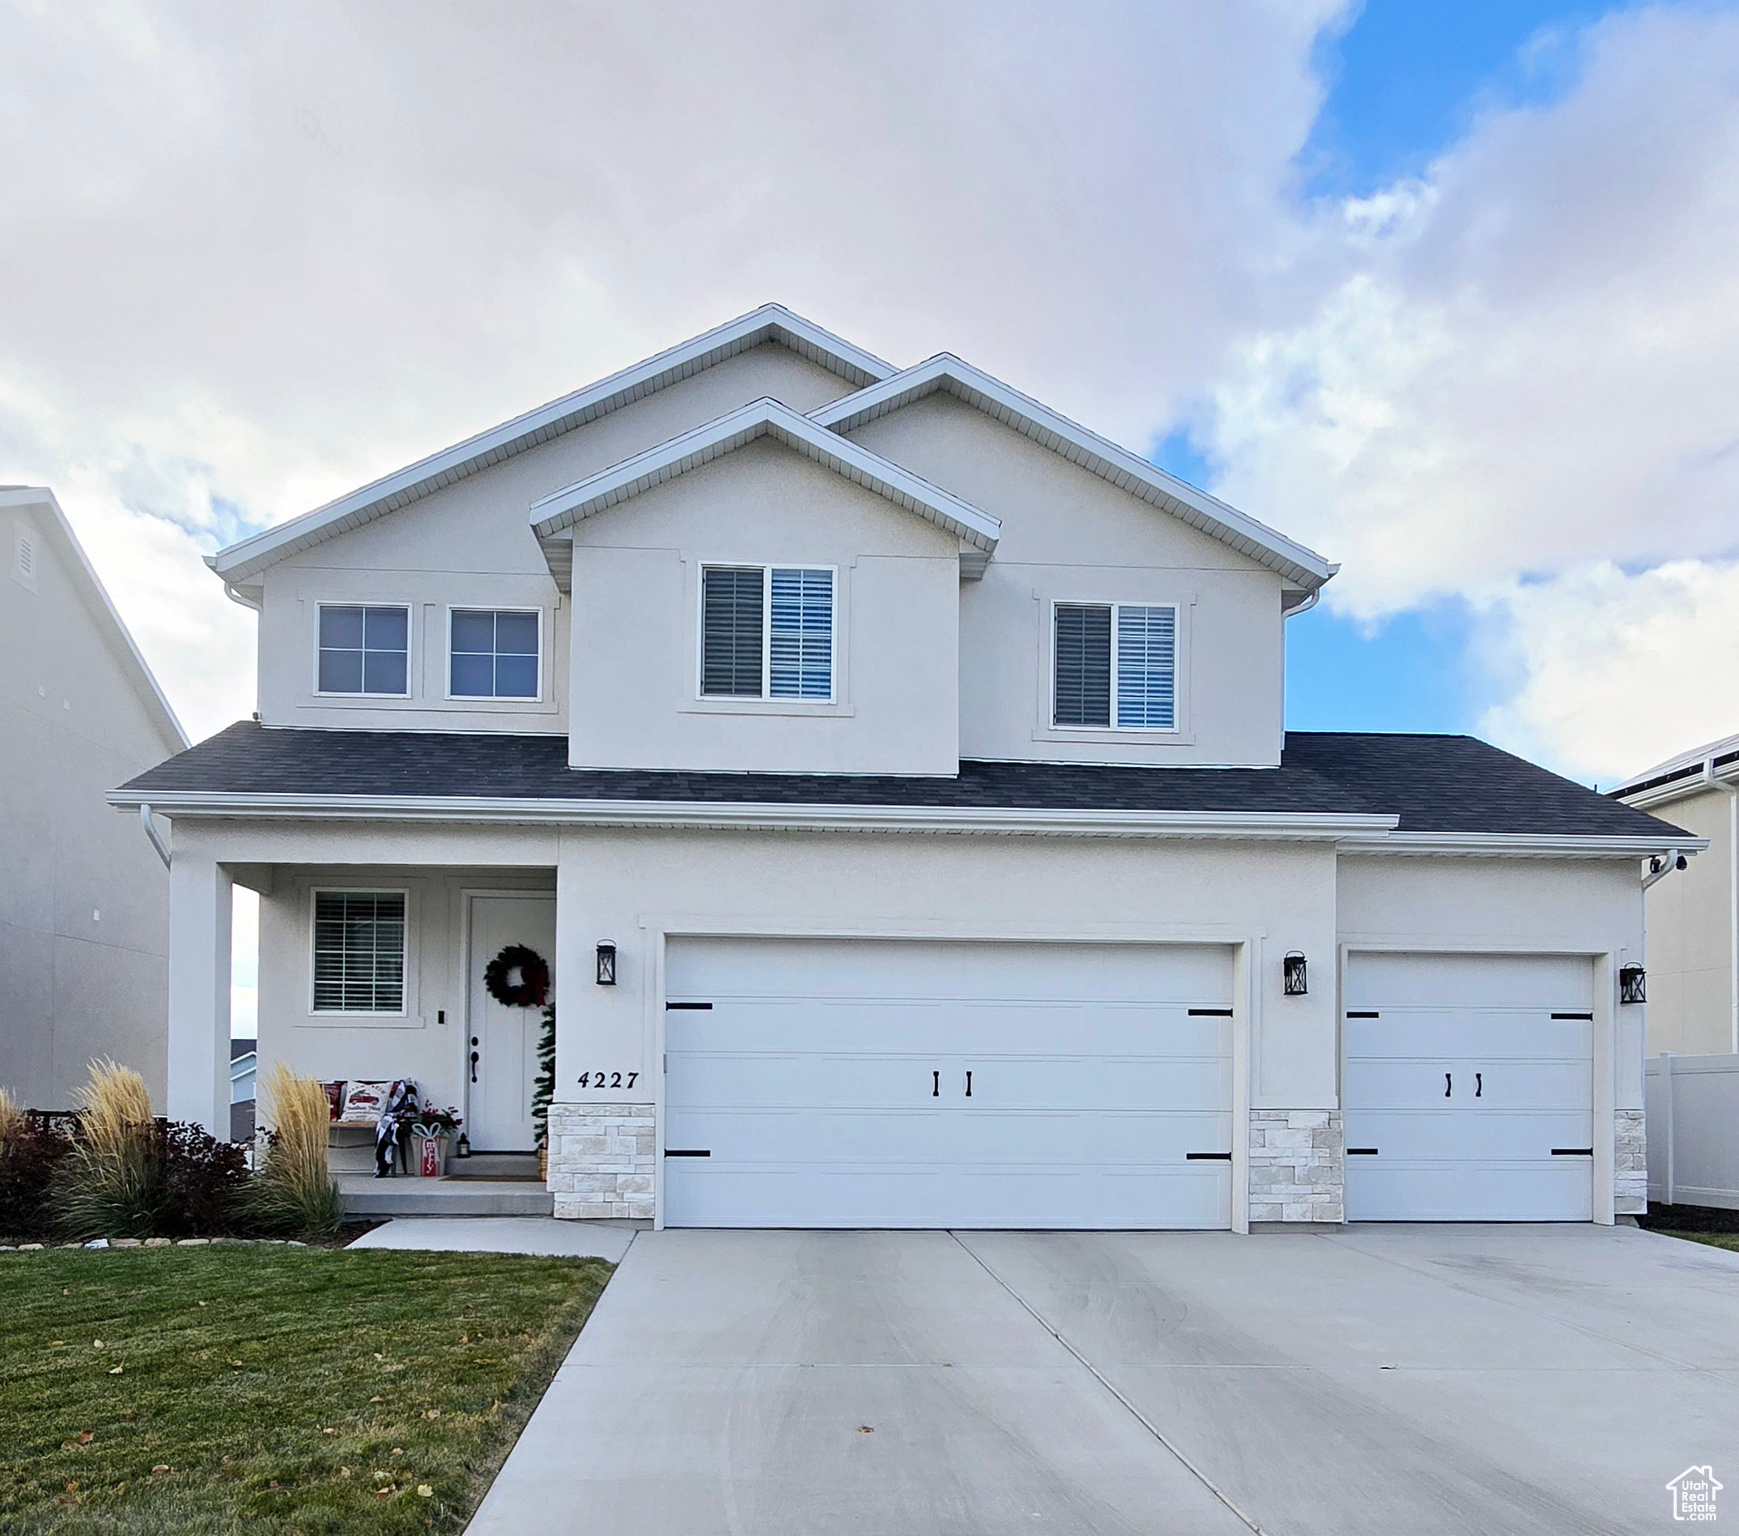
(492,698)
(410,608)
(778,702)
(315,892)
(1113,728)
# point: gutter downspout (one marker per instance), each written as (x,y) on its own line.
(1732,794)
(151,832)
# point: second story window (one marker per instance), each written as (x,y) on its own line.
(494,654)
(364,650)
(1116,663)
(766,632)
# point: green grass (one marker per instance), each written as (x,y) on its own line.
(1729,1240)
(284,1389)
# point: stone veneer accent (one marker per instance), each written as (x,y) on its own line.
(1297,1165)
(601,1159)
(1629,1163)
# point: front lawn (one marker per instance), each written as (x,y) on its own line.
(271,1388)
(1728,1240)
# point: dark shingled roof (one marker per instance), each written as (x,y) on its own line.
(1434,783)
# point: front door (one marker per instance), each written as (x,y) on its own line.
(501,1050)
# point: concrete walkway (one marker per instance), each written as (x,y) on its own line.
(1378,1380)
(500,1234)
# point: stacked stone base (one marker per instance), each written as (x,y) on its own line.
(601,1160)
(1297,1165)
(1629,1163)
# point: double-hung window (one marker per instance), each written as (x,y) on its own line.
(766,632)
(359,951)
(494,654)
(364,649)
(1115,666)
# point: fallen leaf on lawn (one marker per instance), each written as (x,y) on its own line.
(379,1475)
(464,1338)
(117,1370)
(386,1492)
(202,1303)
(237,1364)
(85,1436)
(424,1491)
(159,1469)
(273,1483)
(57,1344)
(226,1461)
(344,1471)
(866,1429)
(96,1343)
(398,1450)
(72,1487)
(433,1413)
(377,1399)
(328,1431)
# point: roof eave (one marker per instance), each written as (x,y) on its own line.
(1537,845)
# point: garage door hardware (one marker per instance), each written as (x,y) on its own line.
(1361,1151)
(686,1152)
(1207,1157)
(692,1007)
(1586,1016)
(1371,1015)
(1572,1151)
(1210,1013)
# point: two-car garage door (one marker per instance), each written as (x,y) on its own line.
(1467,1086)
(868,1083)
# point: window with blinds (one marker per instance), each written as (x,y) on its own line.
(766,632)
(1115,662)
(359,952)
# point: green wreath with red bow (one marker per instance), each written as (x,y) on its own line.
(532,988)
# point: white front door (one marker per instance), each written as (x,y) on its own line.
(501,1051)
(1468,1087)
(864,1083)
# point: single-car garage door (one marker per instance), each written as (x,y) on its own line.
(1467,1087)
(864,1083)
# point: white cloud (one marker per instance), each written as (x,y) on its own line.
(1522,385)
(273,251)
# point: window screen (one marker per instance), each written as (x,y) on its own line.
(732,602)
(494,655)
(364,650)
(1146,667)
(1083,666)
(801,643)
(359,952)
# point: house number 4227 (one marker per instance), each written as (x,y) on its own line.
(608,1079)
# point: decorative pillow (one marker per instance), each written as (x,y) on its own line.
(364,1101)
(334,1100)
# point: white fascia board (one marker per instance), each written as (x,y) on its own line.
(32,498)
(1260,826)
(1521,846)
(1686,782)
(1126,470)
(771,322)
(560,510)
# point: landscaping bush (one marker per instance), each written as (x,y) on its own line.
(30,1151)
(204,1182)
(111,1183)
(293,1192)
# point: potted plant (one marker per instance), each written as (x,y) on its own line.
(430,1132)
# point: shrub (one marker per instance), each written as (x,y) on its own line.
(30,1151)
(204,1181)
(293,1191)
(111,1184)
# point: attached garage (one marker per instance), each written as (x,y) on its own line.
(896,1083)
(1467,1087)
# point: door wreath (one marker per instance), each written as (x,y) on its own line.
(532,988)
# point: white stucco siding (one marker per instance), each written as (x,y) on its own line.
(1511,906)
(1690,936)
(636,888)
(471,544)
(635,643)
(418,1045)
(1068,535)
(83,926)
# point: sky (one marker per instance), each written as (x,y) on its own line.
(1445,291)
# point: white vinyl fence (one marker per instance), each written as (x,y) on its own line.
(1693,1130)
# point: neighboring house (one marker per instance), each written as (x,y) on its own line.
(1693,919)
(893,772)
(243,1058)
(84,923)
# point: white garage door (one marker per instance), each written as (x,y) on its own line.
(824,1083)
(1468,1088)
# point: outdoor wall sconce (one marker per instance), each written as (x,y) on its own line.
(1292,968)
(606,964)
(1632,984)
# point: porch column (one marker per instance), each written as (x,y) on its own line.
(199,982)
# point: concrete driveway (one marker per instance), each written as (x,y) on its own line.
(1380,1380)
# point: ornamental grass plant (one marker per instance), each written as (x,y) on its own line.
(293,1191)
(110,1184)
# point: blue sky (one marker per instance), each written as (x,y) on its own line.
(1405,81)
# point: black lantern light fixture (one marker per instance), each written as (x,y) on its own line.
(606,964)
(1292,968)
(1632,984)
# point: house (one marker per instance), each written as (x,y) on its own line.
(891,772)
(84,927)
(243,1059)
(1693,920)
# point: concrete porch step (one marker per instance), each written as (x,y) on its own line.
(368,1196)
